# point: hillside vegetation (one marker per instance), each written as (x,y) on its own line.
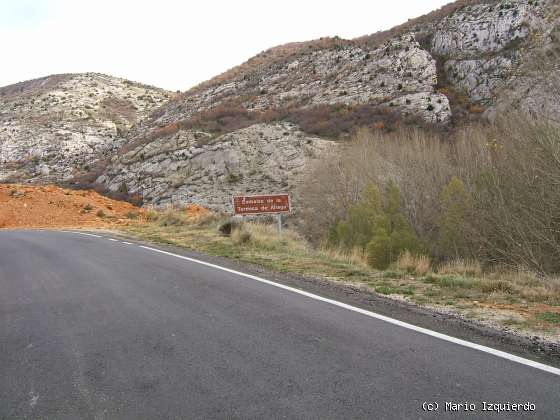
(488,192)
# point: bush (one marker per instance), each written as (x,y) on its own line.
(240,236)
(360,224)
(226,228)
(456,205)
(377,226)
(378,251)
(151,215)
(516,198)
(410,263)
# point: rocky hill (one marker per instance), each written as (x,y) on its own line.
(54,127)
(257,127)
(241,130)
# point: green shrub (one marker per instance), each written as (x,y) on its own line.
(456,205)
(393,235)
(378,251)
(358,228)
(377,225)
(454,282)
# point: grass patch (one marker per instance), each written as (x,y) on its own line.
(464,267)
(407,291)
(454,282)
(386,290)
(430,279)
(549,317)
(392,275)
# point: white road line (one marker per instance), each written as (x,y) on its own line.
(127,243)
(88,234)
(421,330)
(113,240)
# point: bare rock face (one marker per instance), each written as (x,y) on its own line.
(192,167)
(52,127)
(482,46)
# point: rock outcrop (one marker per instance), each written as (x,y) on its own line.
(482,47)
(193,167)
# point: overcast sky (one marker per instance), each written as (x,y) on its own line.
(174,44)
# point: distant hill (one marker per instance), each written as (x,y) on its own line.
(53,127)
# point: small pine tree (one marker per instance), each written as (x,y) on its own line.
(393,234)
(456,204)
(377,226)
(378,250)
(358,228)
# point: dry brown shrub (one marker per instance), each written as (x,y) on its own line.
(476,109)
(462,266)
(411,263)
(420,162)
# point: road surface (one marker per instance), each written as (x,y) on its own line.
(92,328)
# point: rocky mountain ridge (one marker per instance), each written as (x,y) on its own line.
(258,127)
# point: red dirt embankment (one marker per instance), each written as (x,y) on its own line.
(23,206)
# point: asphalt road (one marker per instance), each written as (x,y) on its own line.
(100,329)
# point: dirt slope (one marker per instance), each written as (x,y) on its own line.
(53,207)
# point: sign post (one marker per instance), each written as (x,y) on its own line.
(263,204)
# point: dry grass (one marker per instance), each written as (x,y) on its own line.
(529,286)
(265,237)
(462,266)
(252,242)
(355,256)
(151,215)
(410,263)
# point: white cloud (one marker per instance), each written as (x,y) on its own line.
(176,44)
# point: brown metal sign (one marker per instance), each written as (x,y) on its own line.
(261,204)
